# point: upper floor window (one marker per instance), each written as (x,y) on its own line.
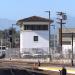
(35,27)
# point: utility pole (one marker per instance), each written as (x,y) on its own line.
(49,55)
(61,18)
(61,33)
(72,52)
(12,35)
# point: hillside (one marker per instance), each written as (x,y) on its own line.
(5,23)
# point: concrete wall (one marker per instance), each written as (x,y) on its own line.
(27,39)
(68,48)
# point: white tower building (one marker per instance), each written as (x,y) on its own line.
(34,34)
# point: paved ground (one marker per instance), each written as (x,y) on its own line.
(70,70)
(20,72)
(50,69)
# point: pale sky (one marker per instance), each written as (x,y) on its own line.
(17,9)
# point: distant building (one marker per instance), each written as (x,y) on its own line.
(34,33)
(67,40)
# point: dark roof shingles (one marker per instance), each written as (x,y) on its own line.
(35,19)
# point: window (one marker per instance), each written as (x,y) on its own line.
(66,42)
(3,48)
(35,27)
(35,38)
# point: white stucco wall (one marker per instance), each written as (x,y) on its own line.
(66,48)
(27,39)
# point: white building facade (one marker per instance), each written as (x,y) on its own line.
(34,34)
(67,40)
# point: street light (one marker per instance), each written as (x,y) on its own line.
(53,35)
(53,40)
(50,58)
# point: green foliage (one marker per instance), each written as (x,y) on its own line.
(4,34)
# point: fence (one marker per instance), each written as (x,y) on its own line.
(35,55)
(12,53)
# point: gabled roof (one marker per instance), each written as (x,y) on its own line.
(34,19)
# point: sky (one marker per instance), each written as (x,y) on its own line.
(18,9)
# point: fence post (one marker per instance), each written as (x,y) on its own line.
(39,63)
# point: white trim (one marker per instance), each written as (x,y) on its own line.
(36,23)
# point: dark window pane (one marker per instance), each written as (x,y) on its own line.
(66,42)
(35,27)
(35,38)
(3,48)
(45,27)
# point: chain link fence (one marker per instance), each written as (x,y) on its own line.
(35,55)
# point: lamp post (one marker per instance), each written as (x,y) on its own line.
(53,40)
(54,36)
(49,53)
